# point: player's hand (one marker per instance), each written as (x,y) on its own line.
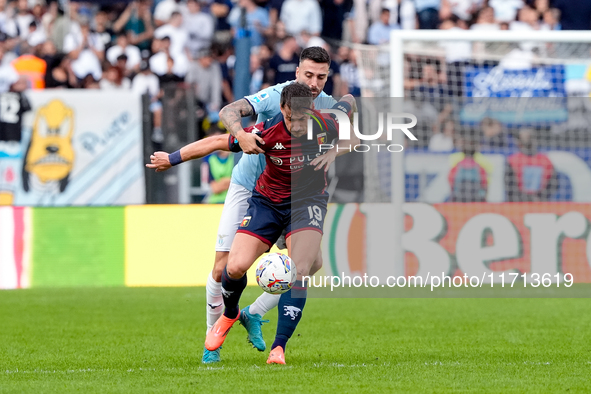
(159,161)
(248,143)
(324,161)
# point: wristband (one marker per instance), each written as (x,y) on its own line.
(343,106)
(175,158)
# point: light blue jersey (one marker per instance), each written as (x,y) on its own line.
(266,105)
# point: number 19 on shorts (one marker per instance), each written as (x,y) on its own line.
(315,215)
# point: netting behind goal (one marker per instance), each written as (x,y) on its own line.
(502,160)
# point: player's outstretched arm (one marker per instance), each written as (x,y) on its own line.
(231,116)
(161,161)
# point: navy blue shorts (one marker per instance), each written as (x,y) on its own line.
(266,220)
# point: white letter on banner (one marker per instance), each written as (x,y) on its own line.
(547,230)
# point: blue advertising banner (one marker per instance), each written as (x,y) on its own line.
(507,85)
(481,81)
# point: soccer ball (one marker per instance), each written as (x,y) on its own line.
(276,273)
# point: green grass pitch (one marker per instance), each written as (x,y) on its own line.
(130,340)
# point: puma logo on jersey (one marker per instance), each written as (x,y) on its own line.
(291,311)
(279,145)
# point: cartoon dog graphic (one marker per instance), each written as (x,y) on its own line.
(50,154)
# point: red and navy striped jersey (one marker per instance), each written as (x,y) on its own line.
(288,174)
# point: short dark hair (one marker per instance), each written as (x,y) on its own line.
(316,54)
(300,92)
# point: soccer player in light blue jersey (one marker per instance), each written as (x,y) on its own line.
(312,71)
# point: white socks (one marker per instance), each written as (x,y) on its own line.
(264,304)
(215,301)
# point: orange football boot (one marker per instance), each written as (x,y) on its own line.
(216,336)
(277,356)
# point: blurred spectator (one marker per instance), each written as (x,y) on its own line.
(574,15)
(379,31)
(123,47)
(47,51)
(159,61)
(103,29)
(206,74)
(307,40)
(47,19)
(457,56)
(283,65)
(405,15)
(220,9)
(493,134)
(64,25)
(274,11)
(4,15)
(86,50)
(300,15)
(506,10)
(113,78)
(32,67)
(357,22)
(121,64)
(334,82)
(280,32)
(527,19)
(36,35)
(59,73)
(170,76)
(428,13)
(485,20)
(223,55)
(529,175)
(551,20)
(176,32)
(145,82)
(8,74)
(430,89)
(136,21)
(164,10)
(463,9)
(468,178)
(18,26)
(349,71)
(88,82)
(257,73)
(257,20)
(334,16)
(216,171)
(443,140)
(200,26)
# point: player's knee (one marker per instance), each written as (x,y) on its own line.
(235,269)
(305,267)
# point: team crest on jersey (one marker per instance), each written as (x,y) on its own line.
(260,97)
(321,138)
(275,160)
(245,221)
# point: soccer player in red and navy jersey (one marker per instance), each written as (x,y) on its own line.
(290,194)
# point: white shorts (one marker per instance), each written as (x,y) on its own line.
(234,210)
